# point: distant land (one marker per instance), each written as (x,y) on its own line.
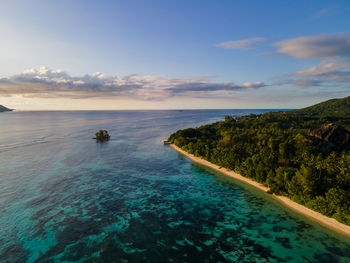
(300,154)
(3,108)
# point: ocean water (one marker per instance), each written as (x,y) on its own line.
(66,198)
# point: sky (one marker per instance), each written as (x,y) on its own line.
(110,55)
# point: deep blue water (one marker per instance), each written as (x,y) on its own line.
(66,198)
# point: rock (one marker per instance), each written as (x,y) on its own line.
(331,136)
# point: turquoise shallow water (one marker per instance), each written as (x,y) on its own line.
(66,198)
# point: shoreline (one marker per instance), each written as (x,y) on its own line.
(323,220)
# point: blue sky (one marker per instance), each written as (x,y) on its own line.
(173,54)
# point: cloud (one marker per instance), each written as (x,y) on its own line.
(324,67)
(249,43)
(328,72)
(331,50)
(337,76)
(45,82)
(299,82)
(322,12)
(320,46)
(206,87)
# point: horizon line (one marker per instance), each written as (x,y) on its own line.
(58,110)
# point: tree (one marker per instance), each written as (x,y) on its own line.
(266,149)
(101,136)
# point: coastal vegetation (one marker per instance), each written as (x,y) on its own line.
(101,136)
(302,154)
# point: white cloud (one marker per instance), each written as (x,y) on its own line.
(78,82)
(320,46)
(333,53)
(253,85)
(249,43)
(324,67)
(45,82)
(329,72)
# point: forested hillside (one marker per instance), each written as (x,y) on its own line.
(302,154)
(334,107)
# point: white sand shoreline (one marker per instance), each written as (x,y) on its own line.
(325,221)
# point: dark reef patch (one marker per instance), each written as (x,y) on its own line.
(13,254)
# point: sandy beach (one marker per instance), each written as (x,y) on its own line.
(325,221)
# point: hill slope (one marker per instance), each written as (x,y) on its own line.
(2,108)
(333,107)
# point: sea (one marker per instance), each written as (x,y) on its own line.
(66,198)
